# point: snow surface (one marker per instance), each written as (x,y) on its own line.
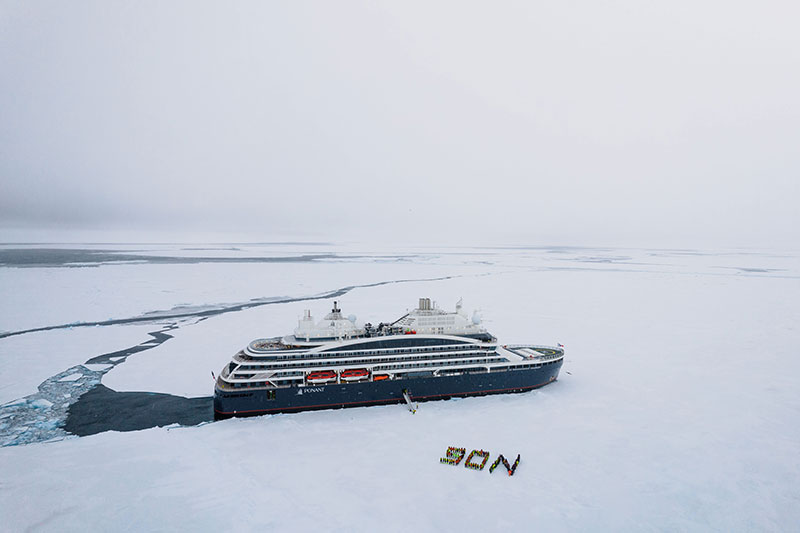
(677,408)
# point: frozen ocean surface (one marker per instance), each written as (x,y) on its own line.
(677,408)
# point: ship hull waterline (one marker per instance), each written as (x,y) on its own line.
(253,402)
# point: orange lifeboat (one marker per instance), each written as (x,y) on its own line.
(355,374)
(380,377)
(324,376)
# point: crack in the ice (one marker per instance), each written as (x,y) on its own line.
(158,317)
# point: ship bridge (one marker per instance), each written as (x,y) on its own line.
(427,318)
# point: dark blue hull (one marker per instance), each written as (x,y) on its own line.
(244,402)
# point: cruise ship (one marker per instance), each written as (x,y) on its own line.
(426,354)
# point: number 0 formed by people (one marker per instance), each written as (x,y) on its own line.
(480,454)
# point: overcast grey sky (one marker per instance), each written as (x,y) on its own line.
(574,122)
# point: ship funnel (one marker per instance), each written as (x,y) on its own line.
(424,304)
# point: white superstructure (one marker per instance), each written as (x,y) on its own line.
(426,340)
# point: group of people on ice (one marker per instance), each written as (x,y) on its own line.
(455,455)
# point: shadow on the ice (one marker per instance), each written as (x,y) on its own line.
(102,409)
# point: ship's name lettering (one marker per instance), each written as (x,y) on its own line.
(313,389)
